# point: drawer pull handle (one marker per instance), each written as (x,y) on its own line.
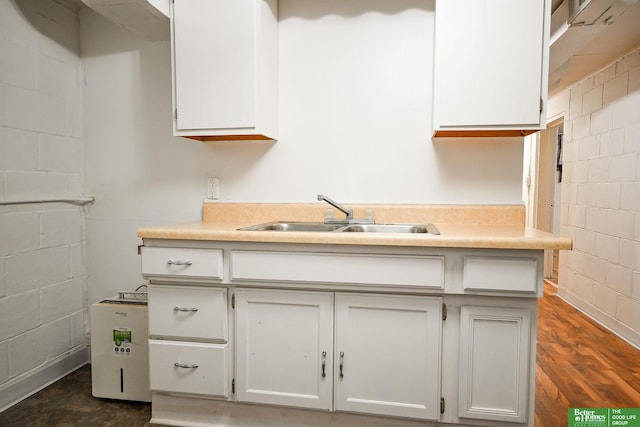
(324,363)
(186,365)
(341,363)
(177,308)
(177,262)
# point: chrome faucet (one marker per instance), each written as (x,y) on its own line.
(348,212)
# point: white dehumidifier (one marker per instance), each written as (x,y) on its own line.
(119,347)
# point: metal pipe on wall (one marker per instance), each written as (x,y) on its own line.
(75,201)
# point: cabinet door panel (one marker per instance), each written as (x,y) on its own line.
(488,62)
(214,59)
(281,337)
(494,363)
(388,351)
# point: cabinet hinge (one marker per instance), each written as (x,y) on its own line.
(444,311)
(233,386)
(233,301)
(541,105)
(442,405)
(175,113)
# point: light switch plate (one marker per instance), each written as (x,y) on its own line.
(213,188)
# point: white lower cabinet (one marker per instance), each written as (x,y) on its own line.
(386,359)
(388,355)
(450,341)
(284,346)
(495,353)
(188,346)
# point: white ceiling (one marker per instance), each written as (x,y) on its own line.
(71,4)
(584,49)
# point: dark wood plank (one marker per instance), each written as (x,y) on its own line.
(580,364)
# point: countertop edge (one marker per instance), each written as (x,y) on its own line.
(521,241)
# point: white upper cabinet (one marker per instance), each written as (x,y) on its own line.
(491,67)
(225,69)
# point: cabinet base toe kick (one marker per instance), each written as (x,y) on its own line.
(174,410)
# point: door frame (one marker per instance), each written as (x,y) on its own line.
(539,186)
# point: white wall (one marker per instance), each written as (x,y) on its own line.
(355,123)
(601,197)
(43,305)
(139,174)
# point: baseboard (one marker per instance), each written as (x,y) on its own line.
(20,389)
(616,327)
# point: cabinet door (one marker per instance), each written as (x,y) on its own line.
(387,358)
(494,363)
(225,69)
(284,345)
(490,64)
(214,63)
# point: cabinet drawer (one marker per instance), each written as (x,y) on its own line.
(182,262)
(192,368)
(500,274)
(188,311)
(369,269)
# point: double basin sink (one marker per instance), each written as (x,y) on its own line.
(343,228)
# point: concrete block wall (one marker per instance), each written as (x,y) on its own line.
(601,197)
(43,277)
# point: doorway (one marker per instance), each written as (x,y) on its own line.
(542,183)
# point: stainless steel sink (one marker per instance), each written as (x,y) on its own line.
(392,228)
(293,226)
(359,228)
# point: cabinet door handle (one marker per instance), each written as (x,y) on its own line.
(324,363)
(178,308)
(341,363)
(186,365)
(178,262)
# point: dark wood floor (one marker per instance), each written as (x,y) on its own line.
(579,365)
